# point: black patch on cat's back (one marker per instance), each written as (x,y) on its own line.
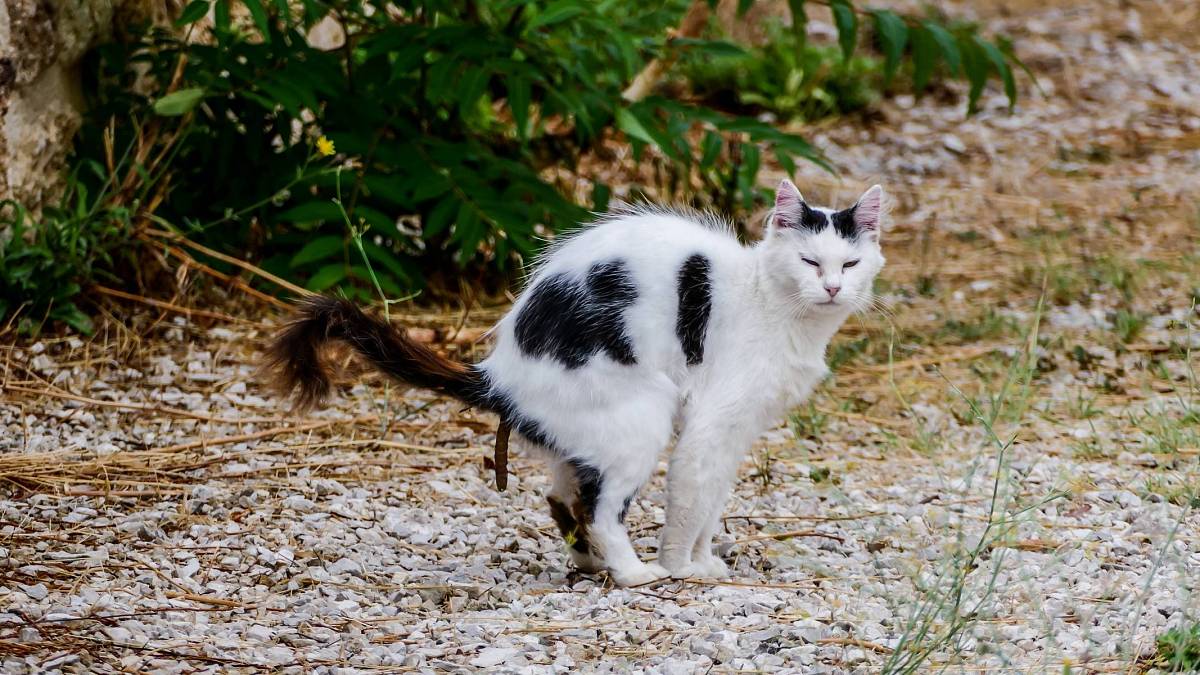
(571,319)
(695,306)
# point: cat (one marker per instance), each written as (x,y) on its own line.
(648,326)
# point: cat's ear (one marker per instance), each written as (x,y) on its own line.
(868,212)
(789,205)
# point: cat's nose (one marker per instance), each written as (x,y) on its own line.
(832,291)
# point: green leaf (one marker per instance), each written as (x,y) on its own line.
(259,14)
(318,249)
(378,220)
(389,260)
(1001,65)
(799,24)
(641,120)
(948,46)
(518,103)
(439,218)
(326,276)
(710,149)
(315,211)
(470,88)
(847,26)
(195,11)
(601,194)
(428,186)
(1007,47)
(627,122)
(179,102)
(283,95)
(976,66)
(70,315)
(719,48)
(557,13)
(744,6)
(221,16)
(468,230)
(893,36)
(785,160)
(924,53)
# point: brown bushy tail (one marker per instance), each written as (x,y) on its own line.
(295,359)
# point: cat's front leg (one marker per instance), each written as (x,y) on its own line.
(702,471)
(705,562)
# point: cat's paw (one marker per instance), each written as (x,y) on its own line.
(585,562)
(706,567)
(684,570)
(643,573)
(710,567)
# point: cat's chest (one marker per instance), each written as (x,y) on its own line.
(802,375)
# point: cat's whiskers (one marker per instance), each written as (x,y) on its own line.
(884,309)
(798,304)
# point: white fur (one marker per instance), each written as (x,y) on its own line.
(764,352)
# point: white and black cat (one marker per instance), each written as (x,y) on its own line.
(649,326)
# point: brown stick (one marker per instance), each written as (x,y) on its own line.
(854,642)
(186,311)
(120,493)
(207,599)
(189,261)
(253,269)
(780,536)
(265,433)
(962,355)
(140,407)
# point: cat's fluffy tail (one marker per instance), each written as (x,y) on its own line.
(296,364)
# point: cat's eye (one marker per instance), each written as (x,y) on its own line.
(852,263)
(814,263)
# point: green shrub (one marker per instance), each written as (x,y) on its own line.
(1178,649)
(45,264)
(813,83)
(458,128)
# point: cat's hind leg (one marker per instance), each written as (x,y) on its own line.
(563,498)
(604,498)
(609,425)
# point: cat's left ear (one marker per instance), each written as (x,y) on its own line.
(868,212)
(789,206)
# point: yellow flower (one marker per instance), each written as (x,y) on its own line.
(325,147)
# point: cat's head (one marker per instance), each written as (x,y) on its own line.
(824,261)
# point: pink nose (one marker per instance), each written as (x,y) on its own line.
(832,291)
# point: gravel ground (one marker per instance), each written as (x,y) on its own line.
(158,511)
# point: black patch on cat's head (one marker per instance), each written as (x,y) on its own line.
(801,217)
(843,222)
(816,221)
